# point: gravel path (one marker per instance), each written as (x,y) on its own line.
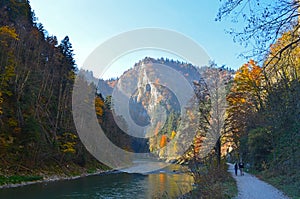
(249,187)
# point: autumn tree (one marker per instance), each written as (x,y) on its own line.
(211,93)
(244,99)
(99,107)
(283,65)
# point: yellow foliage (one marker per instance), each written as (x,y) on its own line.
(173,134)
(69,147)
(152,144)
(151,148)
(7,33)
(283,61)
(68,142)
(99,104)
(12,122)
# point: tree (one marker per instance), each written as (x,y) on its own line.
(99,107)
(66,49)
(283,65)
(264,22)
(217,80)
(244,99)
(260,147)
(211,93)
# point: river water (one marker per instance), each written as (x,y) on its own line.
(169,182)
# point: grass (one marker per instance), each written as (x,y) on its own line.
(18,179)
(287,183)
(229,187)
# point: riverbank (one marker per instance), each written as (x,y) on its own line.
(54,178)
(50,172)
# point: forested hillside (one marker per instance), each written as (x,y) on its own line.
(36,80)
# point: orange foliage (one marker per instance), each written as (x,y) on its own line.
(163,141)
(250,74)
(197,143)
(248,83)
(157,81)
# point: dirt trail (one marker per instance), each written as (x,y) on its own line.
(250,187)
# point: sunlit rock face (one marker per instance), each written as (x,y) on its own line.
(151,108)
(154,108)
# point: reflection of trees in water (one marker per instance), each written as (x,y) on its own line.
(164,185)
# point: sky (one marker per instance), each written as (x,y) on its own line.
(89,23)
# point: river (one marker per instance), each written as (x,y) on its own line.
(169,182)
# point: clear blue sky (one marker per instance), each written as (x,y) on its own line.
(89,23)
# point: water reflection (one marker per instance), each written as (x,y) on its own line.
(166,183)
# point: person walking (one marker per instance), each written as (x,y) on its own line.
(241,167)
(235,168)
